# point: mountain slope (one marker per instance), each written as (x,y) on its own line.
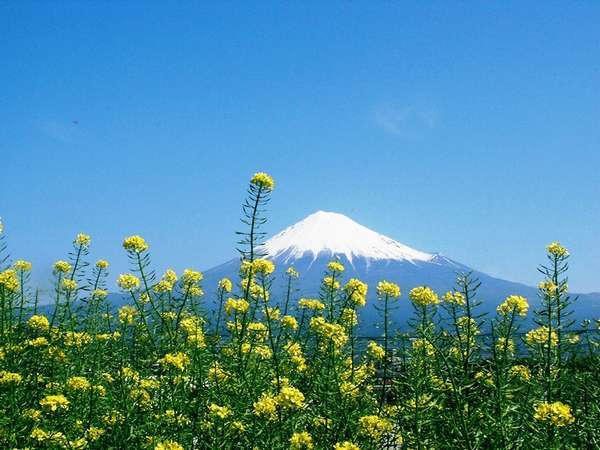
(311,243)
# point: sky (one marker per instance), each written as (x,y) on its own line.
(466,128)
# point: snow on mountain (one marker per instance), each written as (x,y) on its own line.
(335,234)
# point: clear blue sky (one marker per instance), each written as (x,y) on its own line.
(468,128)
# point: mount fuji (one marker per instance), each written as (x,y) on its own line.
(322,236)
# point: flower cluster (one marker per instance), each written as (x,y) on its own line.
(423,296)
(514,303)
(263,180)
(135,244)
(556,413)
(389,289)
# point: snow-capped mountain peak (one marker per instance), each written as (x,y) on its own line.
(336,234)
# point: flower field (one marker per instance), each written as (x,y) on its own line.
(267,370)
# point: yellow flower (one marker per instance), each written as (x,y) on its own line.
(272,313)
(78,383)
(454,298)
(289,322)
(239,306)
(557,413)
(389,289)
(263,180)
(349,317)
(221,412)
(423,346)
(263,266)
(520,371)
(301,441)
(177,360)
(375,351)
(10,377)
(135,244)
(335,266)
(331,283)
(557,250)
(346,445)
(62,267)
(37,342)
(329,331)
(290,397)
(33,414)
(356,291)
(100,293)
(128,282)
(163,286)
(265,406)
(94,433)
(191,277)
(168,445)
(310,303)
(83,240)
(504,343)
(22,265)
(69,285)
(217,374)
(54,402)
(193,329)
(39,322)
(102,264)
(226,285)
(127,314)
(294,351)
(540,336)
(374,426)
(423,296)
(292,273)
(9,280)
(548,286)
(513,302)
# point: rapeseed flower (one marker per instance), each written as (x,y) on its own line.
(265,406)
(38,322)
(388,289)
(54,402)
(356,291)
(374,426)
(168,445)
(375,351)
(69,285)
(335,266)
(514,303)
(301,441)
(557,250)
(128,282)
(226,285)
(346,445)
(9,280)
(222,412)
(423,296)
(177,360)
(82,240)
(311,303)
(556,413)
(135,244)
(263,180)
(62,267)
(102,264)
(22,265)
(541,335)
